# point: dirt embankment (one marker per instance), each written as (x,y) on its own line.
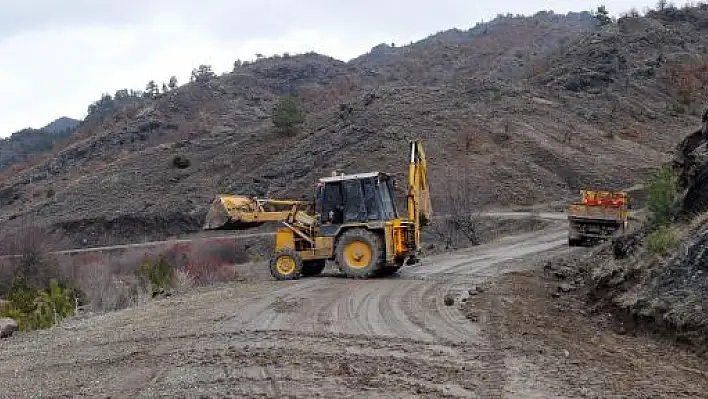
(558,347)
(655,279)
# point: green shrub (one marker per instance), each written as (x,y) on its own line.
(36,309)
(662,191)
(181,161)
(53,304)
(21,295)
(662,240)
(158,274)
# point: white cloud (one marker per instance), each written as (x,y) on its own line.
(58,57)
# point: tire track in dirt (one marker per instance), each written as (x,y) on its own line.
(387,306)
(407,308)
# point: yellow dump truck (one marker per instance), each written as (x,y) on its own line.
(599,214)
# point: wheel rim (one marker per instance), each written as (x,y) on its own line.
(357,254)
(285,265)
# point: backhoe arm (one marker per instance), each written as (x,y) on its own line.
(420,210)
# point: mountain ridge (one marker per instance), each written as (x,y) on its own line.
(526,113)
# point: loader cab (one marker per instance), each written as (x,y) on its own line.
(357,198)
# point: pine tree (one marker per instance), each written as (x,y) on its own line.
(288,115)
(603,16)
(151,90)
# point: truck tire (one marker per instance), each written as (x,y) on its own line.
(313,267)
(360,253)
(286,265)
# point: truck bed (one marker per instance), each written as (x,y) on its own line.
(599,213)
(594,222)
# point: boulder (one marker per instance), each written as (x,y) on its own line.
(449,300)
(7,327)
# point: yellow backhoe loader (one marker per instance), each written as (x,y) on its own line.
(354,221)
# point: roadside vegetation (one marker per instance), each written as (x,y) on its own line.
(662,194)
(39,291)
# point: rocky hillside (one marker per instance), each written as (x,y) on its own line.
(22,145)
(525,110)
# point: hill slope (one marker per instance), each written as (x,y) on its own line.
(24,144)
(526,110)
(61,125)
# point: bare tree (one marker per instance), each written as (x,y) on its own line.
(461,221)
(32,246)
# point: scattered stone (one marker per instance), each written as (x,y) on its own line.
(463,300)
(7,327)
(473,317)
(449,300)
(479,288)
(472,292)
(563,272)
(566,287)
(566,353)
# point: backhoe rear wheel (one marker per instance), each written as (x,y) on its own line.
(360,253)
(286,265)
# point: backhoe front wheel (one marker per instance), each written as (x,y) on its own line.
(286,265)
(360,253)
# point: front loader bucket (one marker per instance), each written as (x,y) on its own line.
(225,213)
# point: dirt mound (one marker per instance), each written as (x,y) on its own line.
(661,295)
(560,346)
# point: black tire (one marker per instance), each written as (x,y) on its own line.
(281,274)
(313,267)
(375,253)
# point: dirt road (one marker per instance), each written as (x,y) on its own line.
(212,235)
(325,336)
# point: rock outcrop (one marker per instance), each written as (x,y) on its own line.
(692,162)
(8,327)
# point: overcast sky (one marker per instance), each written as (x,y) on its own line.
(56,57)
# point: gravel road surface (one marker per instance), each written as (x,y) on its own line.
(325,336)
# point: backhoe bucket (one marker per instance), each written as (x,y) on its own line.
(226,210)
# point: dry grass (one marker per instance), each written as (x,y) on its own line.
(112,281)
(663,240)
